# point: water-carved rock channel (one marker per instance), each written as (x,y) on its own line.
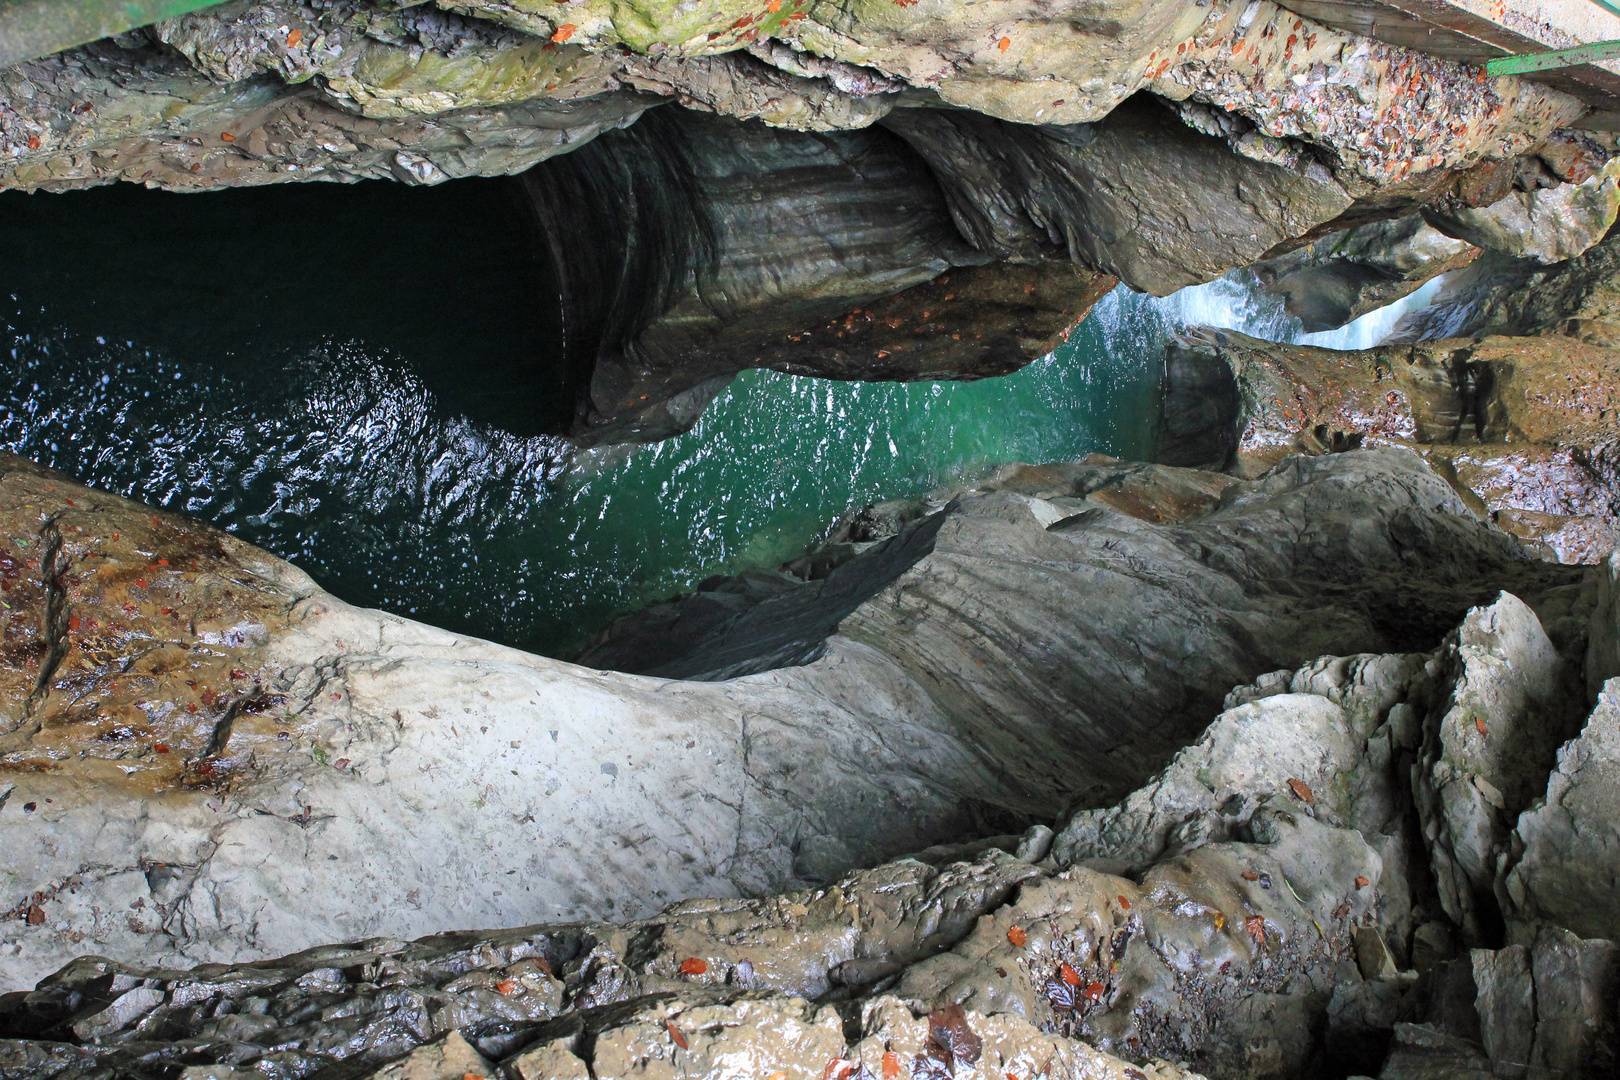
(808,539)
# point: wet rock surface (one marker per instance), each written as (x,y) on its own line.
(1343,276)
(947,192)
(1264,906)
(569,793)
(1522,426)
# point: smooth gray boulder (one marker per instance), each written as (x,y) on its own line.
(1487,752)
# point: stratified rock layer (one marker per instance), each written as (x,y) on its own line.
(1277,898)
(1522,426)
(965,695)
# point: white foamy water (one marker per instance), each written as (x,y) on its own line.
(1235,301)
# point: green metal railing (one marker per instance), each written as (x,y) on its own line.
(34,28)
(1560,58)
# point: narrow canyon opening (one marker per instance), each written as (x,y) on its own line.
(921,540)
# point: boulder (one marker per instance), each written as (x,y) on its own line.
(1487,750)
(1565,867)
(237,765)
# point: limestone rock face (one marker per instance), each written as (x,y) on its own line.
(237,68)
(566,793)
(1343,276)
(1549,1006)
(1139,195)
(1276,882)
(1487,755)
(1547,225)
(1519,425)
(1566,863)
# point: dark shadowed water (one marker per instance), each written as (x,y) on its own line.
(332,373)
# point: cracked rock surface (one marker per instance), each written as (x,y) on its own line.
(949,188)
(150,816)
(1264,906)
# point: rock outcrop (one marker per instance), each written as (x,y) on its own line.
(1343,276)
(1522,426)
(1255,909)
(946,191)
(236,765)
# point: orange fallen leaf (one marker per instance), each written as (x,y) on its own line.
(774,5)
(1016,936)
(1124,903)
(1301,791)
(891,1065)
(564,32)
(509,987)
(693,966)
(33,142)
(1004,44)
(1479,722)
(1094,991)
(1250,875)
(675,1035)
(1070,976)
(226,136)
(1256,926)
(1361,882)
(294,38)
(837,1069)
(163,562)
(73,622)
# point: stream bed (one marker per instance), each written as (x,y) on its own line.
(334,373)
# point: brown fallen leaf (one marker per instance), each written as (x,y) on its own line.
(693,966)
(1124,903)
(675,1035)
(1250,875)
(1301,791)
(1361,882)
(1016,937)
(948,1031)
(36,915)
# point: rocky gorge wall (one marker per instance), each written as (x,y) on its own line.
(237,831)
(947,190)
(1290,754)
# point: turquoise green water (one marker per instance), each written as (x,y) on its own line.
(343,402)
